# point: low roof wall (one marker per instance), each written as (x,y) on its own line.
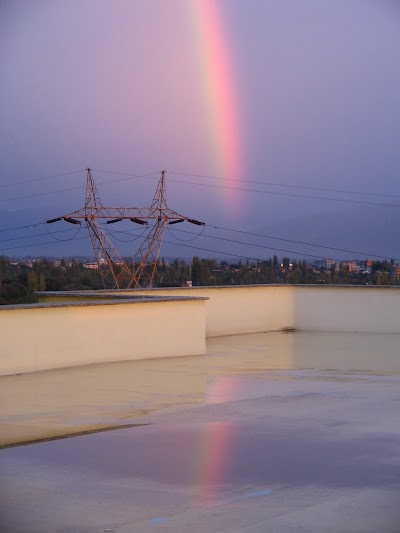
(43,336)
(254,308)
(75,328)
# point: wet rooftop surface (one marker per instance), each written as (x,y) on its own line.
(266,433)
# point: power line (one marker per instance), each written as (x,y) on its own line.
(46,193)
(204,176)
(261,246)
(268,183)
(22,227)
(36,235)
(215,251)
(131,176)
(77,187)
(44,233)
(23,182)
(242,189)
(42,244)
(365,254)
(277,193)
(168,242)
(197,235)
(219,252)
(250,244)
(293,195)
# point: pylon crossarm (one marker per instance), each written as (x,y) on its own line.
(128,213)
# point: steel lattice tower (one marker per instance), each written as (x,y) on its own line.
(111,265)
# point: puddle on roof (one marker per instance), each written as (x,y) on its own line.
(209,457)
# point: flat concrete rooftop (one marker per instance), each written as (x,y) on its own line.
(276,432)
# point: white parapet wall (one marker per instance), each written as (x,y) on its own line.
(255,308)
(44,336)
(346,308)
(229,310)
(75,328)
(367,309)
(241,309)
(249,309)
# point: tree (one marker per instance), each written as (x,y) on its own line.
(384,279)
(42,282)
(197,272)
(32,286)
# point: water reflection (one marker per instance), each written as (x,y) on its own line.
(212,459)
(215,456)
(223,389)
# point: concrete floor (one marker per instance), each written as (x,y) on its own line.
(267,433)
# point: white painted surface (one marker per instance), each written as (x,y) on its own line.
(350,309)
(245,309)
(250,309)
(52,337)
(303,448)
(37,339)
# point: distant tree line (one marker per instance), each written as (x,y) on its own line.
(209,272)
(19,280)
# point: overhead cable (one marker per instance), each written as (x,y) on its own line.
(336,249)
(23,182)
(260,182)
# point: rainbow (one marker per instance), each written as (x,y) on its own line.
(217,76)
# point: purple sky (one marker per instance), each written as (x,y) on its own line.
(117,85)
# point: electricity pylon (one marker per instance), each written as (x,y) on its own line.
(110,263)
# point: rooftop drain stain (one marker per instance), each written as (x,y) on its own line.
(288,330)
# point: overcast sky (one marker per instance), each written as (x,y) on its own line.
(293,92)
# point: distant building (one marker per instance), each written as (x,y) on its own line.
(353,267)
(91,266)
(329,263)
